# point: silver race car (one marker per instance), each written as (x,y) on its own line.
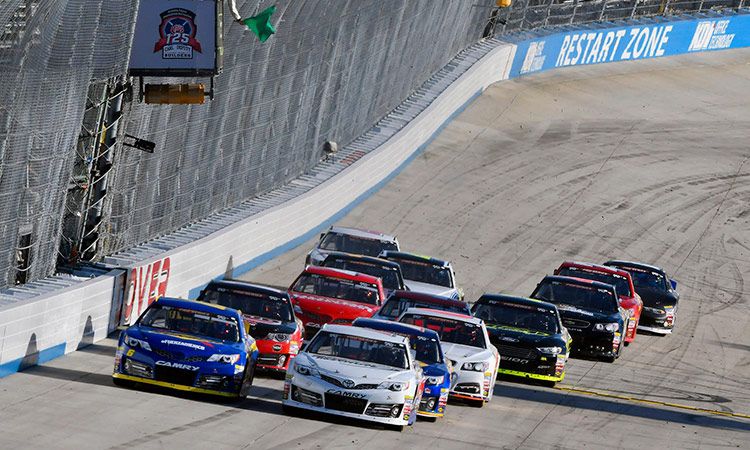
(358,373)
(467,345)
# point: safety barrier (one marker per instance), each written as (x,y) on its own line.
(40,329)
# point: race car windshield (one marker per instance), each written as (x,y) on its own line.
(187,321)
(424,272)
(355,291)
(388,275)
(581,297)
(359,349)
(618,281)
(648,280)
(347,243)
(449,330)
(250,303)
(518,316)
(395,306)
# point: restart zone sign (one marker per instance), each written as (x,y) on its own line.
(176,38)
(581,47)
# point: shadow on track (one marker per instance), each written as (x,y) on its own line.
(591,403)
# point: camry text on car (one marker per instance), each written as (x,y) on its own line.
(188,346)
(356,372)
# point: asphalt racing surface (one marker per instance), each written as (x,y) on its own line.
(646,161)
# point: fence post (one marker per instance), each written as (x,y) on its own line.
(601,13)
(575,10)
(635,7)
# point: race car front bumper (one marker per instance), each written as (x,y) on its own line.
(657,320)
(471,385)
(434,400)
(529,363)
(374,405)
(214,379)
(598,344)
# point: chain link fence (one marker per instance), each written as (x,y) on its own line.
(70,191)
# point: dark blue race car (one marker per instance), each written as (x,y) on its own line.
(188,346)
(435,367)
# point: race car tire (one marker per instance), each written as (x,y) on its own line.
(627,343)
(609,359)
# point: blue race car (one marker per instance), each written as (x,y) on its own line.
(188,346)
(435,367)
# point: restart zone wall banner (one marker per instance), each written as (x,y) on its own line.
(174,38)
(640,41)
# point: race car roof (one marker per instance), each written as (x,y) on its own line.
(637,265)
(502,298)
(443,314)
(362,258)
(339,273)
(395,327)
(196,306)
(415,257)
(366,333)
(429,298)
(367,234)
(246,286)
(595,267)
(585,282)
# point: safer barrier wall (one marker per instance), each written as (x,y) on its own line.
(34,332)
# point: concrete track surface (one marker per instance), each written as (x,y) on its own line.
(645,161)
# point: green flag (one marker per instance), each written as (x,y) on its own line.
(261,24)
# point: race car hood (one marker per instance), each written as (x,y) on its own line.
(658,299)
(260,327)
(436,370)
(503,335)
(358,371)
(184,344)
(464,353)
(339,307)
(570,312)
(434,289)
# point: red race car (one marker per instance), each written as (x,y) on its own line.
(269,316)
(622,282)
(324,295)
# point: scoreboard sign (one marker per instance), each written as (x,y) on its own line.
(177,38)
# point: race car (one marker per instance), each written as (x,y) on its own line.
(389,272)
(358,373)
(620,279)
(436,367)
(350,240)
(323,295)
(188,346)
(426,274)
(400,301)
(528,334)
(590,311)
(270,317)
(465,342)
(658,292)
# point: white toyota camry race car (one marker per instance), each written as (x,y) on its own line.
(467,345)
(358,373)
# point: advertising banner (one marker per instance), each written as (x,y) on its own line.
(639,41)
(175,38)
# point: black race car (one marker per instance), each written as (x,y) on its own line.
(388,271)
(658,292)
(590,311)
(528,334)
